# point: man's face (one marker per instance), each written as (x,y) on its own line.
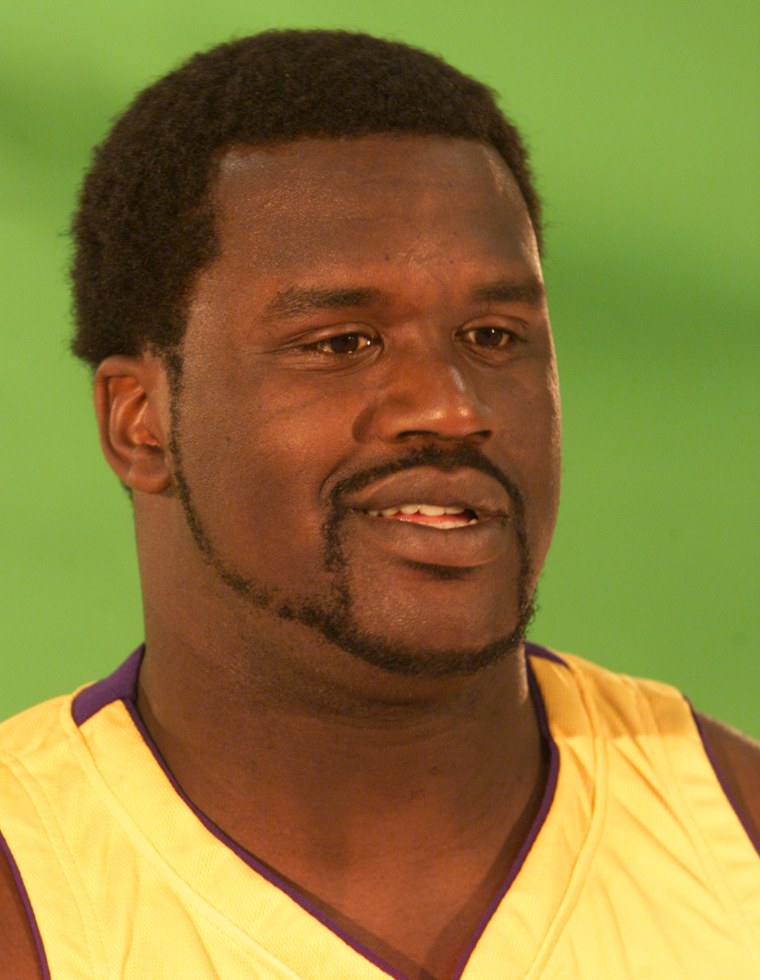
(366,435)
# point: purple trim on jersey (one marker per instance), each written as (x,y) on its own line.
(533,650)
(723,784)
(39,945)
(258,866)
(120,685)
(543,810)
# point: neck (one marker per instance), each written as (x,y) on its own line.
(357,787)
(328,748)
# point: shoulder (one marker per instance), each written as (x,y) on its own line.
(34,730)
(19,957)
(32,747)
(736,758)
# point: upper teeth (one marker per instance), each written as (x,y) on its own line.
(429,510)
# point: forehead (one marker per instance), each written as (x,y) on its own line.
(358,191)
(376,160)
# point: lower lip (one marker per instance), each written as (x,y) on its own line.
(467,546)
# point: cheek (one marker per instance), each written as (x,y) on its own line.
(255,459)
(535,437)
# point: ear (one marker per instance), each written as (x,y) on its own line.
(132,407)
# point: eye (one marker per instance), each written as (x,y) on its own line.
(344,343)
(489,338)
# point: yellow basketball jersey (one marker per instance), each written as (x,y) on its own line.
(636,866)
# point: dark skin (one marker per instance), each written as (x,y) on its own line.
(370,297)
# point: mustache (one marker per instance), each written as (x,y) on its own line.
(461,455)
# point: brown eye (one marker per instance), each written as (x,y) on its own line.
(345,343)
(493,338)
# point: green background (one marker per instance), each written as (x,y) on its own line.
(642,119)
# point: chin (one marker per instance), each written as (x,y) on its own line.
(424,661)
(419,645)
(416,631)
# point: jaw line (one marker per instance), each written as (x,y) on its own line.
(337,625)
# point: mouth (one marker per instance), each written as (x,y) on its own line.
(446,517)
(443,535)
(430,498)
(425,516)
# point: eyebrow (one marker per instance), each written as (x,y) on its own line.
(531,291)
(299,300)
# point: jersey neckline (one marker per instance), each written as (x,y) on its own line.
(117,693)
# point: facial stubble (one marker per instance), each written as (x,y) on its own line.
(332,614)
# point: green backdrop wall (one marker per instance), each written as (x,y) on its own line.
(642,119)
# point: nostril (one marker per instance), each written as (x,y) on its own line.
(431,435)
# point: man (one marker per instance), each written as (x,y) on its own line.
(308,280)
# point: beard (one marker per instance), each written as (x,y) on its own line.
(333,613)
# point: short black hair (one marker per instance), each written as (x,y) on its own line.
(145,227)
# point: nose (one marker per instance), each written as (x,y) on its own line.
(426,394)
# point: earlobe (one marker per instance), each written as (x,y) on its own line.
(131,405)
